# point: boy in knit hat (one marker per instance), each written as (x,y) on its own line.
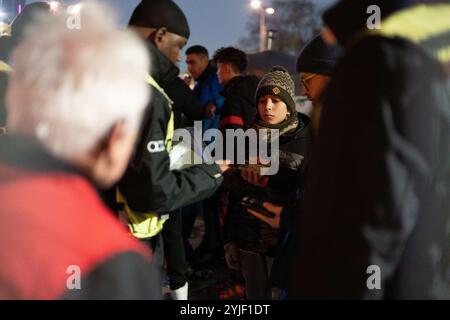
(250,243)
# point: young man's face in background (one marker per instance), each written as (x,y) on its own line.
(197,64)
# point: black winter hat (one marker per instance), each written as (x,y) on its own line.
(348,17)
(158,14)
(279,83)
(318,57)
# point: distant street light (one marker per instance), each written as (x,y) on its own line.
(54,6)
(270,11)
(257,5)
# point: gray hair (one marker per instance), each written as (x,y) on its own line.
(70,86)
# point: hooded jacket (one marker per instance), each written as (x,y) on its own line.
(239,111)
(373,224)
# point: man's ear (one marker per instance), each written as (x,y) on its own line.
(160,34)
(205,59)
(114,135)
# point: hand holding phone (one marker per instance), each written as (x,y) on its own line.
(257,205)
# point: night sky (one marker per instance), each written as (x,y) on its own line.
(213,23)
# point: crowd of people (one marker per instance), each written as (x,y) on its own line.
(358,207)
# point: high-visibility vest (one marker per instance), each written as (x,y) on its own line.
(5,68)
(147,225)
(421,24)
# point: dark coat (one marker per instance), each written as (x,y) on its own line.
(250,233)
(239,111)
(186,105)
(148,184)
(378,192)
(52,219)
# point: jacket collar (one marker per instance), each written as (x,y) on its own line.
(24,153)
(163,70)
(232,83)
(210,69)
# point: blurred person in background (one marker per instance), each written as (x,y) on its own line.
(7,43)
(376,205)
(209,91)
(207,87)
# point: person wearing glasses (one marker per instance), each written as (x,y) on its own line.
(315,66)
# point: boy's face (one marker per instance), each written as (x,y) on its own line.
(171,44)
(224,72)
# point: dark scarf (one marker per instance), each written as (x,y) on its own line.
(287,126)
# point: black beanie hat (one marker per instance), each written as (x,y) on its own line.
(318,57)
(158,14)
(278,82)
(29,12)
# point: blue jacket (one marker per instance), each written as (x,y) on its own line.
(208,90)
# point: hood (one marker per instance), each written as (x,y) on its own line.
(163,70)
(243,86)
(348,18)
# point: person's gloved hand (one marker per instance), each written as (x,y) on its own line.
(232,256)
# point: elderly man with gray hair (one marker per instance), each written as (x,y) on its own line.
(75,102)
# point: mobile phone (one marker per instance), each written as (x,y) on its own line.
(257,205)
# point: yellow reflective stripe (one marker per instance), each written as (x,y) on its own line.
(141,225)
(147,225)
(418,23)
(4,67)
(149,79)
(170,132)
(444,54)
(171,125)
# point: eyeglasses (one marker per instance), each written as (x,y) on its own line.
(305,78)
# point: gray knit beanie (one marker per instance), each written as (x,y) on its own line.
(279,83)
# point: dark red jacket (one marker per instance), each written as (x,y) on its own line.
(51,218)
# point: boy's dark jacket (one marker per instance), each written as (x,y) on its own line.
(248,232)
